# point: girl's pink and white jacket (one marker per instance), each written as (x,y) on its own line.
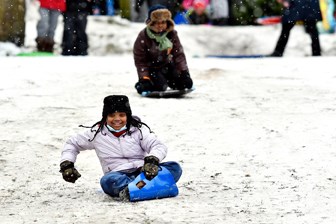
(116,154)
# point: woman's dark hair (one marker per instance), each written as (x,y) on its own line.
(131,121)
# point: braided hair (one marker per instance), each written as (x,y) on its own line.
(117,103)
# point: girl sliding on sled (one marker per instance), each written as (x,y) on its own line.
(125,146)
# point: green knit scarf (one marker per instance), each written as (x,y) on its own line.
(164,42)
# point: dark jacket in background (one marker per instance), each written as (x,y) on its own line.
(305,10)
(79,6)
(75,40)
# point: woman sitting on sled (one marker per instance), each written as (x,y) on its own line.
(159,56)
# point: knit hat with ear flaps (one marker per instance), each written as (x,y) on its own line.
(116,103)
(159,13)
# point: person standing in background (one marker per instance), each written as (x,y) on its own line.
(198,14)
(49,12)
(75,39)
(307,11)
(219,12)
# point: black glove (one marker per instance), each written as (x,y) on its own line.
(151,167)
(144,85)
(69,172)
(184,80)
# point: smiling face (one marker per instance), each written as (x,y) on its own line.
(160,26)
(117,120)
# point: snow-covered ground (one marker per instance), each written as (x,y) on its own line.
(256,139)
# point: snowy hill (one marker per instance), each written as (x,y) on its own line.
(256,139)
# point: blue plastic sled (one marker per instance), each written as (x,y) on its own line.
(162,186)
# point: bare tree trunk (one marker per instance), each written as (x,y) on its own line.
(12,21)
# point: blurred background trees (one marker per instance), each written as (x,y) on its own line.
(245,12)
(12,21)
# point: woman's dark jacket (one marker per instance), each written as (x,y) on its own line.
(305,10)
(147,54)
(76,6)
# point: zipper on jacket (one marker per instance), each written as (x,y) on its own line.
(120,148)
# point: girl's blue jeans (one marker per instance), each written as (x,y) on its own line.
(113,182)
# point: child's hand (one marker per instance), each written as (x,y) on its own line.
(69,172)
(144,84)
(151,167)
